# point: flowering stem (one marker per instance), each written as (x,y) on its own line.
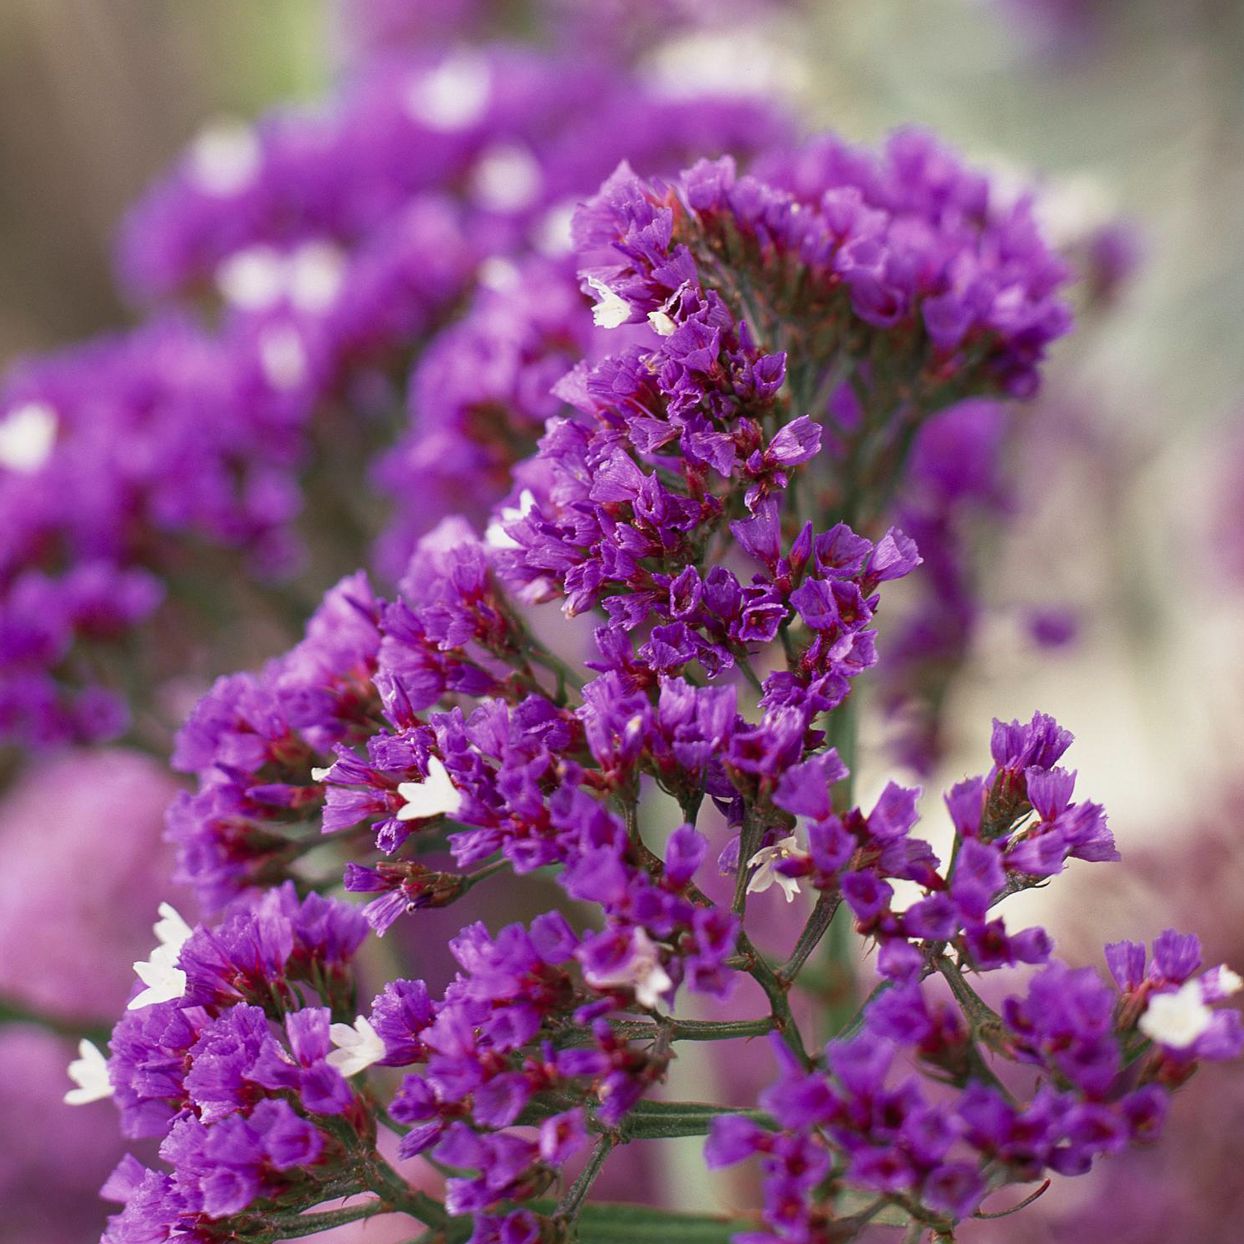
(392,1189)
(978,1010)
(695,1030)
(665,1120)
(840,984)
(776,990)
(568,1206)
(820,919)
(296,1226)
(750,836)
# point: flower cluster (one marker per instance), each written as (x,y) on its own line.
(324,250)
(861,1120)
(712,487)
(231,1063)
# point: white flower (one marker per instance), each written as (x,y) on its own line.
(357,1047)
(495,535)
(435,795)
(1177,1019)
(89,1071)
(501,275)
(1220,982)
(454,96)
(551,234)
(611,311)
(27,437)
(225,158)
(314,275)
(506,178)
(766,875)
(164,980)
(662,324)
(252,279)
(642,972)
(706,62)
(283,357)
(318,775)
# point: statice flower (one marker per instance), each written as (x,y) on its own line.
(702,435)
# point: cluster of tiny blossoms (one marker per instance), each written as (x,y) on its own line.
(290,272)
(712,494)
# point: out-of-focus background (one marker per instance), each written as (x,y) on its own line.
(1131,465)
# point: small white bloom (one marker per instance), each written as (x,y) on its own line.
(551,234)
(319,775)
(495,534)
(498,274)
(252,279)
(357,1047)
(642,972)
(506,178)
(89,1071)
(662,323)
(1220,982)
(1177,1019)
(283,357)
(710,61)
(611,311)
(316,271)
(27,437)
(163,979)
(431,797)
(1229,982)
(766,875)
(453,96)
(171,930)
(225,158)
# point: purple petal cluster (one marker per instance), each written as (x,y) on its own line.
(234,1075)
(860,1118)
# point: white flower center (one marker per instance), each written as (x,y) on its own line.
(454,96)
(283,357)
(252,279)
(163,979)
(89,1071)
(661,323)
(610,311)
(225,158)
(551,234)
(357,1047)
(1228,982)
(642,972)
(1177,1019)
(436,795)
(495,534)
(767,876)
(27,437)
(506,178)
(316,271)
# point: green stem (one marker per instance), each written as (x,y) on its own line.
(665,1120)
(568,1206)
(297,1226)
(777,991)
(685,1030)
(809,938)
(387,1184)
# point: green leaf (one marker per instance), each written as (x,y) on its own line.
(605,1223)
(662,1120)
